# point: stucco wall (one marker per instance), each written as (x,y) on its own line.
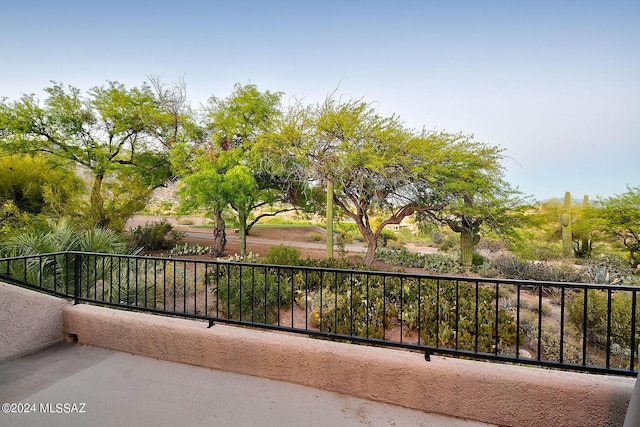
(29,320)
(493,393)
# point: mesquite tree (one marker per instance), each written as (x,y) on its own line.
(113,135)
(474,193)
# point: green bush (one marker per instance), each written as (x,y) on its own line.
(256,297)
(456,319)
(478,259)
(316,237)
(386,236)
(451,241)
(282,255)
(347,232)
(156,235)
(341,263)
(597,319)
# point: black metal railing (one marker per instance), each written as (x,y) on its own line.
(571,326)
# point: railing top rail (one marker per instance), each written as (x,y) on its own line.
(428,276)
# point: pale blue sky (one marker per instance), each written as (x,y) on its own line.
(555,83)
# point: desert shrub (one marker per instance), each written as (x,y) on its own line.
(441,263)
(190,249)
(371,306)
(248,258)
(478,259)
(451,241)
(255,295)
(508,266)
(491,245)
(185,221)
(597,321)
(399,255)
(316,237)
(282,255)
(156,235)
(347,232)
(599,326)
(437,237)
(386,236)
(341,263)
(454,321)
(610,269)
(60,269)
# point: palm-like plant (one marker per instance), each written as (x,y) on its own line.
(50,267)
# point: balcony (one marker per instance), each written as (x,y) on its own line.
(200,305)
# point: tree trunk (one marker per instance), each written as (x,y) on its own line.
(96,207)
(219,235)
(466,248)
(242,219)
(372,244)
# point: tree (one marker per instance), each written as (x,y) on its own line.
(112,134)
(472,188)
(32,191)
(378,167)
(228,171)
(620,218)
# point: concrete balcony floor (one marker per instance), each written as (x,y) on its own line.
(120,389)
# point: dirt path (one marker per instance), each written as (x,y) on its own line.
(263,238)
(260,240)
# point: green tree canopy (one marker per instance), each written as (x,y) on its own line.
(229,171)
(113,133)
(620,218)
(473,191)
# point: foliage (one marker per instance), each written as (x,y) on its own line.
(282,255)
(459,318)
(597,320)
(473,193)
(231,171)
(33,191)
(112,133)
(156,235)
(373,307)
(256,297)
(437,263)
(62,237)
(508,266)
(189,249)
(53,272)
(35,187)
(386,236)
(375,163)
(610,269)
(620,218)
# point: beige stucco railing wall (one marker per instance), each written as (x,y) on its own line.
(28,321)
(489,392)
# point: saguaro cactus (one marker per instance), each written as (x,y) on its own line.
(582,233)
(565,223)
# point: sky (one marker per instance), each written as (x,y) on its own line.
(556,84)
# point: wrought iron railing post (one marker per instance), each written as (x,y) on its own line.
(77,271)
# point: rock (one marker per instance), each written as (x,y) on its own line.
(525,354)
